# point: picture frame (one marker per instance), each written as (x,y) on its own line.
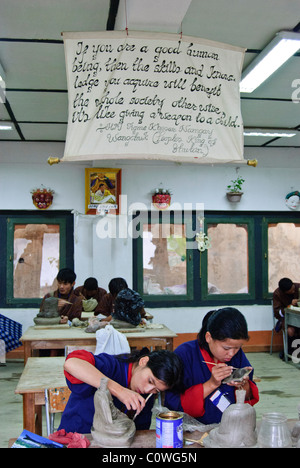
(102,190)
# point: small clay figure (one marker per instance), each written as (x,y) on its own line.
(111,427)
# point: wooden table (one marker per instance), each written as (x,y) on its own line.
(56,338)
(146,439)
(88,315)
(44,372)
(292,319)
(38,374)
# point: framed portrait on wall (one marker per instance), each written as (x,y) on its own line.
(102,190)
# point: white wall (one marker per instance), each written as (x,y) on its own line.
(23,166)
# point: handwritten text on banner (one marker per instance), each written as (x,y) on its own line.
(152,96)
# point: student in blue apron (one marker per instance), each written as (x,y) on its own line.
(131,379)
(207,361)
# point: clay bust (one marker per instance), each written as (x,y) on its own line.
(50,308)
(237,427)
(49,312)
(111,427)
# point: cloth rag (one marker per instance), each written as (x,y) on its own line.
(71,439)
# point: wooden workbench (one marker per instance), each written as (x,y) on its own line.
(58,338)
(292,319)
(38,374)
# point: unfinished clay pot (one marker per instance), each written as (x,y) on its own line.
(237,427)
(111,427)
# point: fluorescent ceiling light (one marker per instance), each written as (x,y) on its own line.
(281,48)
(6,126)
(2,85)
(2,73)
(269,132)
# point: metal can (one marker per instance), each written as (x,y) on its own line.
(169,430)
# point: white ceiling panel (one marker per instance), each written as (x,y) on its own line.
(47,19)
(32,54)
(39,106)
(33,65)
(49,132)
(268,113)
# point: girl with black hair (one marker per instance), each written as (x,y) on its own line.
(208,361)
(131,377)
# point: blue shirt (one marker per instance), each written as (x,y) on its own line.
(79,413)
(197,372)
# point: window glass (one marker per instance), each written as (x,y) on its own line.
(227,259)
(283,248)
(36,259)
(164,259)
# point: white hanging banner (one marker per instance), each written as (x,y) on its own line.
(152,96)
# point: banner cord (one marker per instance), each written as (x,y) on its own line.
(126,28)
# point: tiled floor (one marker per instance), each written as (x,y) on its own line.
(278,383)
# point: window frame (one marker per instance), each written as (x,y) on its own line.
(8,219)
(156,300)
(257,269)
(266,220)
(204,265)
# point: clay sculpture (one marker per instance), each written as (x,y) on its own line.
(111,427)
(237,427)
(48,315)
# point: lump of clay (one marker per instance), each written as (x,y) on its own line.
(76,322)
(119,324)
(237,427)
(95,324)
(48,314)
(111,427)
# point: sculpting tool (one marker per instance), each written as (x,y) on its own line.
(215,363)
(150,394)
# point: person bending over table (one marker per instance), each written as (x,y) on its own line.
(107,304)
(69,304)
(131,377)
(207,361)
(285,295)
(91,290)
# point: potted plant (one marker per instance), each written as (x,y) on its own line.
(161,198)
(234,190)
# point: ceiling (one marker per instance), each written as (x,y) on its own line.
(32,55)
